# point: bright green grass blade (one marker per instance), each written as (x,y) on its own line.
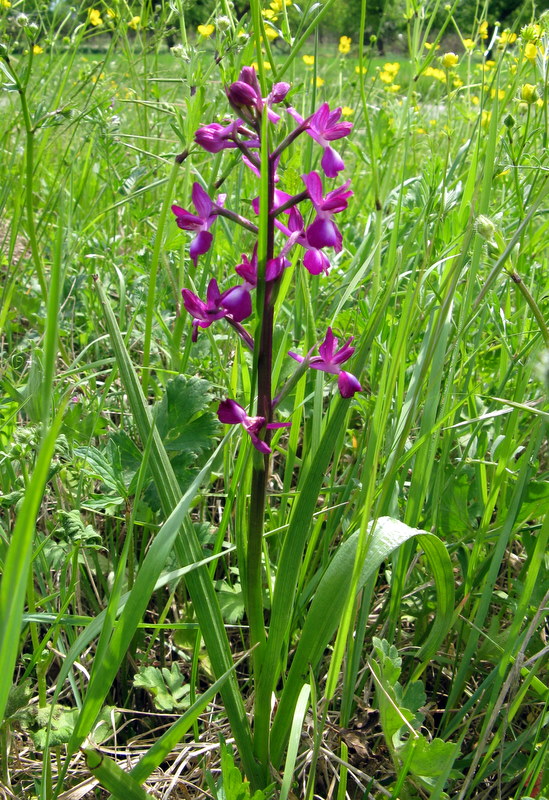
(119,783)
(295,739)
(329,602)
(18,560)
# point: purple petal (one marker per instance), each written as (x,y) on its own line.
(295,114)
(279,92)
(331,163)
(323,232)
(213,295)
(248,75)
(296,357)
(275,267)
(215,137)
(185,220)
(348,384)
(273,425)
(328,346)
(241,94)
(200,245)
(237,302)
(248,269)
(259,444)
(231,413)
(344,353)
(201,201)
(193,304)
(315,261)
(313,183)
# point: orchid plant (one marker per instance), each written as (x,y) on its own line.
(287,227)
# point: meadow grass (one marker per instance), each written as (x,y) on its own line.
(398,589)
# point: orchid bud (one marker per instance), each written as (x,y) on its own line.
(279,92)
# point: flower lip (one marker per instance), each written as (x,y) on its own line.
(330,359)
(231,413)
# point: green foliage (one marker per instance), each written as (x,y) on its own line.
(232,785)
(167,686)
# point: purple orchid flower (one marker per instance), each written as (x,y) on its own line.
(330,360)
(314,260)
(245,93)
(200,222)
(231,413)
(323,127)
(248,268)
(323,232)
(234,303)
(215,137)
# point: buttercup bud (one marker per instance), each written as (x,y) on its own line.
(22,20)
(529,93)
(449,60)
(223,24)
(485,227)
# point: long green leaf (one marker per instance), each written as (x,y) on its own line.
(329,601)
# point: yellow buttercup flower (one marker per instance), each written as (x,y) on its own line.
(485,118)
(438,74)
(347,112)
(5,4)
(268,13)
(483,30)
(110,13)
(468,44)
(319,81)
(391,68)
(134,23)
(457,82)
(94,17)
(530,51)
(507,38)
(266,65)
(386,77)
(362,71)
(475,100)
(278,5)
(206,30)
(449,60)
(430,45)
(501,93)
(394,88)
(270,33)
(37,50)
(344,45)
(308,60)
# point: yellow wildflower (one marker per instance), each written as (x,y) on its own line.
(319,81)
(438,74)
(457,82)
(449,60)
(362,71)
(94,17)
(37,49)
(539,102)
(308,60)
(268,13)
(485,118)
(430,45)
(386,77)
(347,112)
(501,93)
(483,30)
(507,38)
(278,5)
(270,33)
(393,68)
(266,65)
(134,23)
(394,88)
(421,130)
(475,100)
(206,30)
(529,93)
(110,13)
(530,51)
(468,44)
(5,4)
(344,45)
(432,122)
